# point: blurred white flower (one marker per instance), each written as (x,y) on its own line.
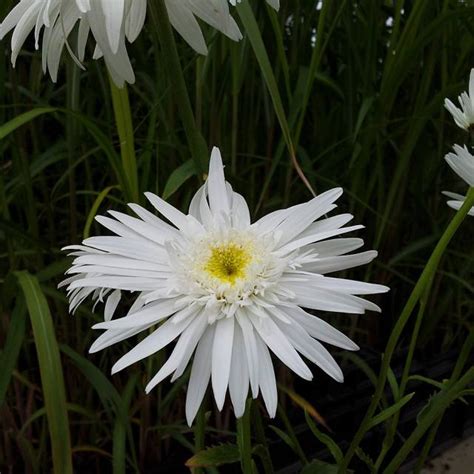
(464,116)
(228,290)
(112,23)
(462,162)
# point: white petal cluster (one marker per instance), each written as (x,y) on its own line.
(229,292)
(463,116)
(462,163)
(112,24)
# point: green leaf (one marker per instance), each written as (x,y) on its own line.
(120,429)
(14,341)
(363,456)
(178,177)
(108,394)
(287,439)
(325,439)
(392,380)
(52,380)
(215,456)
(95,208)
(20,120)
(253,31)
(390,411)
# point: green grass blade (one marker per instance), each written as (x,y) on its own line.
(94,209)
(20,120)
(52,380)
(253,31)
(9,355)
(123,119)
(120,429)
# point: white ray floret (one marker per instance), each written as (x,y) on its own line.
(112,24)
(463,115)
(228,291)
(461,162)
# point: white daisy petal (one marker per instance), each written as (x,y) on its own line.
(239,374)
(218,199)
(221,359)
(463,116)
(250,344)
(320,329)
(277,341)
(200,375)
(267,379)
(182,352)
(149,314)
(311,349)
(151,344)
(111,305)
(302,218)
(462,163)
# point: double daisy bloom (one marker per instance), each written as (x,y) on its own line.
(226,289)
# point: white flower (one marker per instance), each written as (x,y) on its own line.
(464,116)
(456,201)
(228,290)
(112,23)
(462,162)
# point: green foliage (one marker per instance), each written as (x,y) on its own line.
(51,372)
(215,456)
(319,467)
(11,350)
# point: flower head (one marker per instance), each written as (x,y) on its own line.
(462,163)
(227,290)
(112,23)
(463,116)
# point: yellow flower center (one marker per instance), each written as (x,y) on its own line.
(227,262)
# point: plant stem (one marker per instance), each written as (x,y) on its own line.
(73,87)
(415,295)
(123,119)
(244,439)
(429,418)
(392,426)
(427,446)
(196,142)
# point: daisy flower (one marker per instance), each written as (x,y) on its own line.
(228,291)
(463,116)
(462,163)
(112,23)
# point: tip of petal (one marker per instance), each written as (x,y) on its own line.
(216,158)
(352,347)
(117,367)
(93,349)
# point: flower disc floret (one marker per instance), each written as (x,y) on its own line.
(227,262)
